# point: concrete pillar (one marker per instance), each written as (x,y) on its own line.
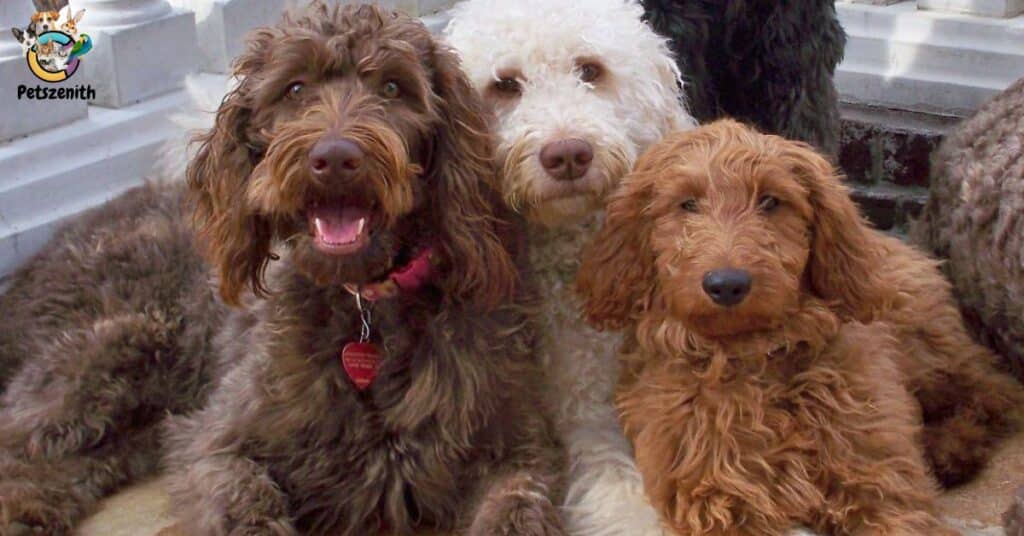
(222,25)
(19,117)
(141,48)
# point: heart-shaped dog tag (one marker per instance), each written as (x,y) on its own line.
(360,361)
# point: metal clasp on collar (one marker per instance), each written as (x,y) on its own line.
(365,314)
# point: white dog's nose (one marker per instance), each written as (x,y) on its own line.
(567,160)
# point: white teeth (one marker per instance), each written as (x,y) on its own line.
(361,224)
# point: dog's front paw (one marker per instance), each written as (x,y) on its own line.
(518,513)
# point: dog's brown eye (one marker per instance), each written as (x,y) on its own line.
(768,203)
(390,90)
(295,89)
(590,72)
(690,205)
(508,86)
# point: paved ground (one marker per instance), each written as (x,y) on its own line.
(975,508)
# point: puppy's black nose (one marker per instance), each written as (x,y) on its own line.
(566,160)
(335,158)
(727,287)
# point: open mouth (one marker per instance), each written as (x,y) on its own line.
(339,227)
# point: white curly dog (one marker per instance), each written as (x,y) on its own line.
(580,89)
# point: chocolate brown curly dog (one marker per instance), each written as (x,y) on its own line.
(380,377)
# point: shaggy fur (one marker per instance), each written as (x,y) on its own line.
(975,218)
(768,63)
(784,408)
(105,332)
(534,61)
(446,438)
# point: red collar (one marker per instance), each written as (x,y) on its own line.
(407,278)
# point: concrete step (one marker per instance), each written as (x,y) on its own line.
(56,174)
(900,57)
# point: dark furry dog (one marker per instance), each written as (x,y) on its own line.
(974,219)
(104,333)
(764,62)
(348,174)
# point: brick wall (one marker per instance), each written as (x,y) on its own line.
(885,155)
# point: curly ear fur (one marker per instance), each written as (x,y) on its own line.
(617,275)
(844,259)
(235,239)
(464,190)
(617,268)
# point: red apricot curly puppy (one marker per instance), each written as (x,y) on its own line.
(753,395)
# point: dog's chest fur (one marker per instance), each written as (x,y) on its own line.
(412,447)
(580,362)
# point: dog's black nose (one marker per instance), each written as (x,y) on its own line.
(727,287)
(566,160)
(335,158)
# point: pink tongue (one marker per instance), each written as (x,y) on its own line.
(339,224)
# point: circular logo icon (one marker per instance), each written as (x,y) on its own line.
(55,56)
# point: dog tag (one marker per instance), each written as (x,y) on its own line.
(360,361)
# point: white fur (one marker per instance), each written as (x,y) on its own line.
(633,105)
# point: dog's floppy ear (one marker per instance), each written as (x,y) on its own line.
(617,272)
(844,260)
(236,239)
(462,180)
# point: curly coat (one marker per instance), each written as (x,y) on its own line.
(105,331)
(445,439)
(973,218)
(784,408)
(528,59)
(766,63)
